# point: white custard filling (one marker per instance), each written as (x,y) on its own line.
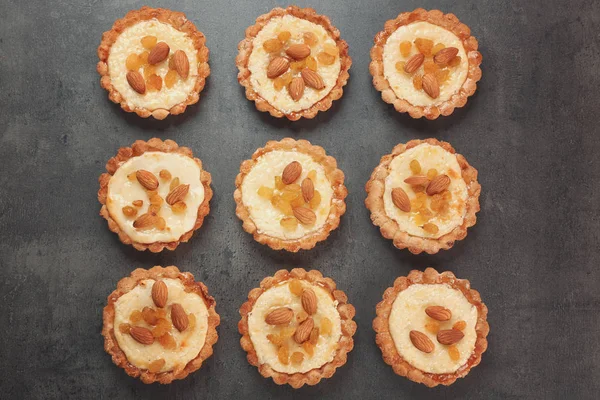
(189,342)
(408,313)
(264,215)
(280,296)
(401,83)
(259,61)
(128,42)
(429,156)
(123,192)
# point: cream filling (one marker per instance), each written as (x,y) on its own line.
(123,192)
(266,217)
(280,296)
(128,42)
(259,61)
(189,342)
(401,83)
(408,313)
(429,156)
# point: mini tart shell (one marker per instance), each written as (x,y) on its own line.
(245,49)
(338,205)
(346,343)
(178,21)
(446,21)
(138,148)
(386,343)
(375,188)
(127,284)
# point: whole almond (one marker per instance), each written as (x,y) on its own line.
(309,301)
(303,331)
(417,180)
(400,199)
(438,184)
(308,189)
(177,194)
(438,313)
(141,335)
(146,179)
(181,63)
(421,341)
(291,172)
(306,216)
(414,63)
(145,221)
(136,81)
(445,55)
(449,336)
(431,86)
(159,53)
(298,51)
(160,293)
(296,88)
(312,79)
(179,317)
(277,66)
(279,316)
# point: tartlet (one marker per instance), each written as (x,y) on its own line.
(425,63)
(153,62)
(154,194)
(423,196)
(296,327)
(160,324)
(290,195)
(293,63)
(431,327)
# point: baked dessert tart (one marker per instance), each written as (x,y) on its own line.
(296,327)
(153,62)
(293,63)
(154,194)
(431,327)
(290,195)
(425,63)
(423,196)
(160,324)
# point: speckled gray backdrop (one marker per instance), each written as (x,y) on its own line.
(531,131)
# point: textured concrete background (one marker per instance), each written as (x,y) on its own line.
(531,131)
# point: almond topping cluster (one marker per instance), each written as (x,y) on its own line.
(438,62)
(156,53)
(428,187)
(439,315)
(297,200)
(175,199)
(294,65)
(153,324)
(300,331)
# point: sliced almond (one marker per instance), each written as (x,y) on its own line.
(291,172)
(179,317)
(449,336)
(159,53)
(309,301)
(303,332)
(136,81)
(445,55)
(298,51)
(431,86)
(306,216)
(308,189)
(277,66)
(146,179)
(145,221)
(414,63)
(438,184)
(417,180)
(160,293)
(279,316)
(141,335)
(400,199)
(296,88)
(181,64)
(177,194)
(312,79)
(421,341)
(439,313)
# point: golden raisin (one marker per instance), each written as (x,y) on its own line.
(311,63)
(283,355)
(164,174)
(430,67)
(132,177)
(298,66)
(149,42)
(265,192)
(154,209)
(161,223)
(310,38)
(309,348)
(124,328)
(459,325)
(400,66)
(432,327)
(454,353)
(325,58)
(418,82)
(296,287)
(424,45)
(405,48)
(171,78)
(154,82)
(133,62)
(312,174)
(287,332)
(314,336)
(326,326)
(149,316)
(135,317)
(138,203)
(279,182)
(272,45)
(298,201)
(297,358)
(316,200)
(143,57)
(191,321)
(284,36)
(436,48)
(149,70)
(156,366)
(162,326)
(129,211)
(167,341)
(174,184)
(301,316)
(282,205)
(455,62)
(179,207)
(289,223)
(442,75)
(277,340)
(331,49)
(431,173)
(415,167)
(431,228)
(156,199)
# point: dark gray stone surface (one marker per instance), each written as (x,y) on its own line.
(531,131)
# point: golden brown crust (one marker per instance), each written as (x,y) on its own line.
(346,343)
(127,284)
(386,343)
(338,205)
(447,21)
(245,49)
(375,188)
(178,21)
(138,148)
